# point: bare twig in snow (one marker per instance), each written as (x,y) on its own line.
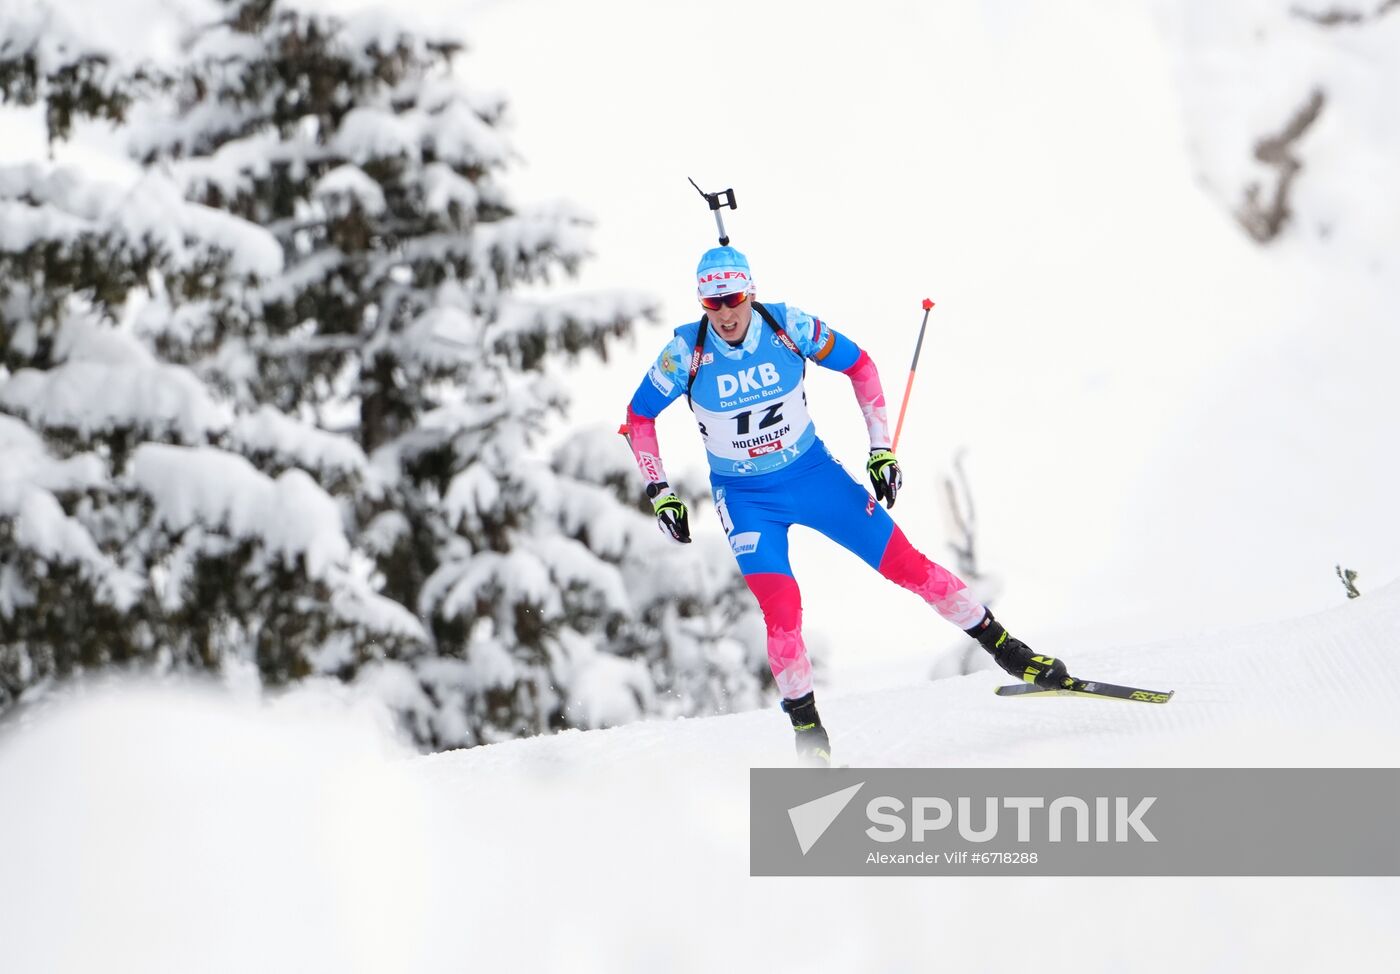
(1338,17)
(1262,221)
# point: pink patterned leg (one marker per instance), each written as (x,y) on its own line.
(904,565)
(781,602)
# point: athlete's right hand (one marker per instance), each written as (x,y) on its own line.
(671,516)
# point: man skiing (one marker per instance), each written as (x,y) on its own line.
(741,367)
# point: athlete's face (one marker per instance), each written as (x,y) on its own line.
(732,323)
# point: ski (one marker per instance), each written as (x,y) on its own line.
(1088,688)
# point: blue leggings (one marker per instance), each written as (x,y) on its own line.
(757,512)
(819,494)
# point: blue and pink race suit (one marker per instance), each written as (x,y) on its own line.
(769,470)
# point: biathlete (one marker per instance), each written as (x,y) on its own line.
(741,368)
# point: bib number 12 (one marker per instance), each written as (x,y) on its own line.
(772,416)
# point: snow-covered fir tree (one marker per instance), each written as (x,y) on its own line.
(276,400)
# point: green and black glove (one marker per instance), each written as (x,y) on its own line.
(671,516)
(884,475)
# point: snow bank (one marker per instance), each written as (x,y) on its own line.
(615,818)
(169,831)
(162,830)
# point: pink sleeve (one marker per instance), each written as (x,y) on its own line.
(641,436)
(866,382)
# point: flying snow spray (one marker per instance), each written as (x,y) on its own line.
(718,201)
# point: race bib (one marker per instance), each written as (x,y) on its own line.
(756,436)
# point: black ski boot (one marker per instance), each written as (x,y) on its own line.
(1018,659)
(813,746)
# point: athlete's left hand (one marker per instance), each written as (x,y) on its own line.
(671,515)
(884,475)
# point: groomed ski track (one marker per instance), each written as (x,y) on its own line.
(1242,696)
(650,820)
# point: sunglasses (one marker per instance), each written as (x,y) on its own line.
(724,301)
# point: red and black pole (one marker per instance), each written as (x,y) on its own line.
(928,306)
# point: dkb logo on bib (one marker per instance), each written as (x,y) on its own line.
(748,380)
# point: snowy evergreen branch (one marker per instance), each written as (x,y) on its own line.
(46,60)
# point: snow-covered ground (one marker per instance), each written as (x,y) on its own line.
(169,830)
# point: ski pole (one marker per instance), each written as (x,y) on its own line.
(908,386)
